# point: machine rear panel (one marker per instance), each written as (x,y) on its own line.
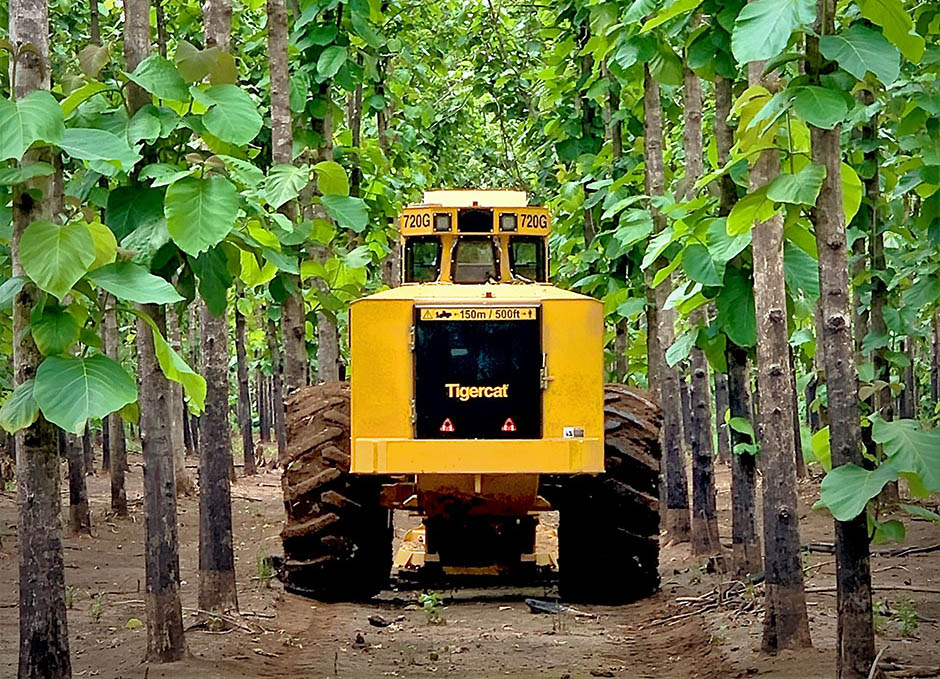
(478,378)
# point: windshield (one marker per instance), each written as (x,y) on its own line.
(475,260)
(527,258)
(422,259)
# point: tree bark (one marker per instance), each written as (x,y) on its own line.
(704,516)
(105,443)
(935,360)
(216,558)
(44,639)
(116,440)
(855,642)
(244,397)
(745,541)
(94,23)
(661,333)
(277,400)
(194,359)
(165,642)
(261,397)
(88,451)
(785,621)
(79,516)
(161,27)
(798,463)
(721,409)
(136,48)
(585,108)
(184,484)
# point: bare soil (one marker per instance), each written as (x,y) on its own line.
(681,632)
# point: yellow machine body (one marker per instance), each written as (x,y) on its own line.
(475,477)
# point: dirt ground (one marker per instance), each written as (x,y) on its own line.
(683,632)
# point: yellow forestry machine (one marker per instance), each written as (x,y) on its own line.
(477,402)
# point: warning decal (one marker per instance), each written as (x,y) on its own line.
(479,313)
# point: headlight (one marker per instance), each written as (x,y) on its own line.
(507,221)
(442,221)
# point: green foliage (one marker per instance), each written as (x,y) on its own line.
(231,115)
(175,368)
(54,329)
(133,283)
(763,28)
(847,489)
(20,409)
(800,188)
(159,77)
(71,390)
(200,212)
(860,50)
(35,117)
(56,257)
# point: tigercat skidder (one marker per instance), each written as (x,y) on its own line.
(476,401)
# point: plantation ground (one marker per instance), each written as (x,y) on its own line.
(680,633)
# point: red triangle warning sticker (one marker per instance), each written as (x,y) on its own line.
(509,425)
(447,426)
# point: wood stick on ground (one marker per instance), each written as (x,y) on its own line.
(874,665)
(901,588)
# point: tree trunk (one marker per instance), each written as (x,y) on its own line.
(685,399)
(136,48)
(88,451)
(116,440)
(94,23)
(216,558)
(855,632)
(277,400)
(79,517)
(785,621)
(745,542)
(661,333)
(721,409)
(244,398)
(621,344)
(261,397)
(161,27)
(187,429)
(44,638)
(184,484)
(165,642)
(798,463)
(105,443)
(935,360)
(194,359)
(585,109)
(704,517)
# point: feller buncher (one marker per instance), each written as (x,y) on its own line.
(477,402)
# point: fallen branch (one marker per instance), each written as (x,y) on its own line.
(245,497)
(874,665)
(223,618)
(901,588)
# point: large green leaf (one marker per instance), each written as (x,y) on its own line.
(822,448)
(847,489)
(680,349)
(53,328)
(735,306)
(699,265)
(800,271)
(105,244)
(924,292)
(130,207)
(859,50)
(800,188)
(348,212)
(54,256)
(71,390)
(331,60)
(232,114)
(10,289)
(753,208)
(20,409)
(200,212)
(134,283)
(851,192)
(722,247)
(331,179)
(15,175)
(159,76)
(195,64)
(675,9)
(35,117)
(820,106)
(911,449)
(896,23)
(87,143)
(175,368)
(284,183)
(763,28)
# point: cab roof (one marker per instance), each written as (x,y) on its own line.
(474,198)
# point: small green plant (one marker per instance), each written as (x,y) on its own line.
(882,614)
(97,607)
(69,597)
(264,570)
(433,607)
(9,486)
(907,617)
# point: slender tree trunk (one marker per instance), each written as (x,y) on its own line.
(855,642)
(685,399)
(165,642)
(704,516)
(136,48)
(745,541)
(94,23)
(79,516)
(721,409)
(661,334)
(261,398)
(184,485)
(585,108)
(161,27)
(244,398)
(44,637)
(88,451)
(105,443)
(785,621)
(798,463)
(187,435)
(116,440)
(935,360)
(907,403)
(216,558)
(277,401)
(194,358)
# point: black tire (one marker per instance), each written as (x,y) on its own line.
(337,539)
(608,533)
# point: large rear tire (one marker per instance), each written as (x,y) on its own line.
(338,539)
(608,533)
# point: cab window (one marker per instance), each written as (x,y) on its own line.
(475,260)
(422,259)
(527,258)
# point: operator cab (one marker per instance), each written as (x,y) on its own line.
(474,237)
